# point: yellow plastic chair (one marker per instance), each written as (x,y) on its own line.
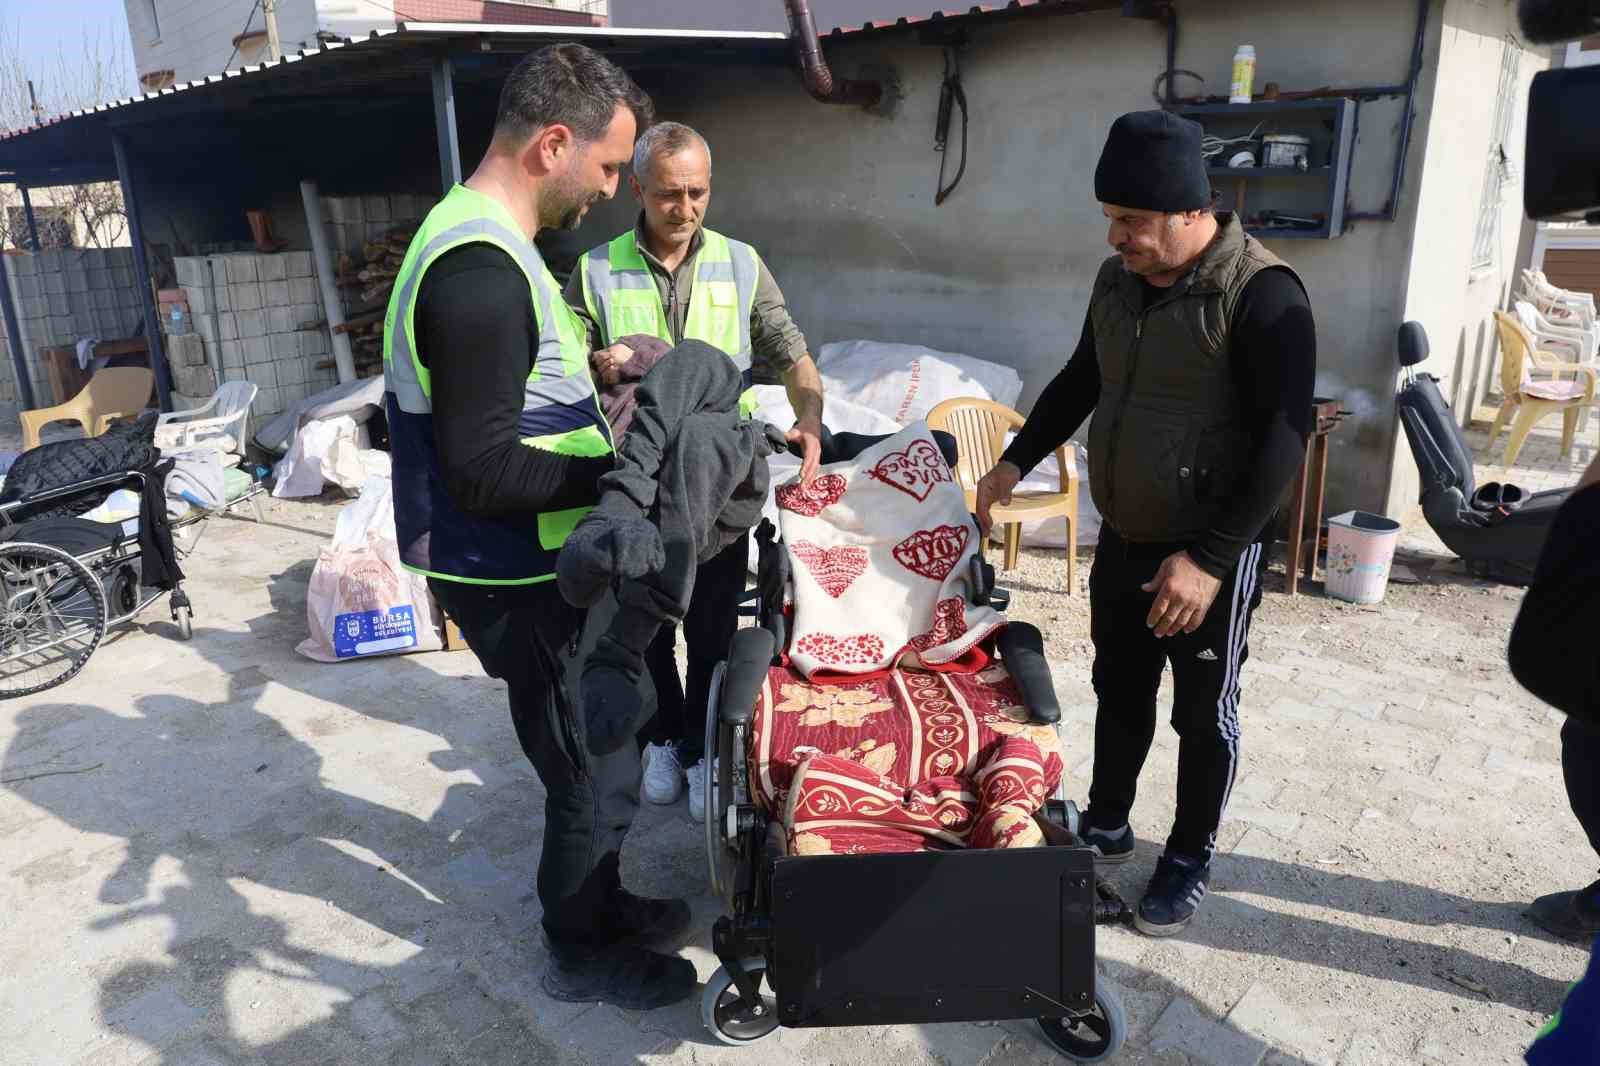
(115,392)
(980,428)
(1532,400)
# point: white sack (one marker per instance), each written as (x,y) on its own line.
(906,381)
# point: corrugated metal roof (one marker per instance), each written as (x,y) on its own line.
(404,36)
(978,11)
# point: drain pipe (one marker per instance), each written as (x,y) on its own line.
(814,71)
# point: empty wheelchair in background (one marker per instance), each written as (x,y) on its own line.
(813,940)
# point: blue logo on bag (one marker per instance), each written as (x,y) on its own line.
(374,632)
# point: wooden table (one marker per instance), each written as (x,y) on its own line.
(67,379)
(1305,497)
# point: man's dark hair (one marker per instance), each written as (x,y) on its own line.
(568,84)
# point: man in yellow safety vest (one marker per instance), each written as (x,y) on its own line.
(498,444)
(672,278)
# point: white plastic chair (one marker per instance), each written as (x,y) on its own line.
(1561,305)
(227,429)
(1581,344)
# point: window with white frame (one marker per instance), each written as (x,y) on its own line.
(1498,168)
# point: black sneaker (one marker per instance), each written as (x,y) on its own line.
(1175,892)
(1111,848)
(625,976)
(650,923)
(1570,915)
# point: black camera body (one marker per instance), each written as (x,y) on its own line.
(1563,151)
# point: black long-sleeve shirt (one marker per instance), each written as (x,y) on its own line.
(1552,644)
(1272,345)
(477,335)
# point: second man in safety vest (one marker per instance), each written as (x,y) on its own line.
(670,277)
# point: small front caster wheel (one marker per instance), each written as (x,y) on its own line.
(185,620)
(1094,1036)
(728,1017)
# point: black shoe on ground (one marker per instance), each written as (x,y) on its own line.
(1572,916)
(625,976)
(1175,892)
(650,923)
(1112,848)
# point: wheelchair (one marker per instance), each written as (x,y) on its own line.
(824,940)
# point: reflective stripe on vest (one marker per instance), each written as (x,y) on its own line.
(560,410)
(622,296)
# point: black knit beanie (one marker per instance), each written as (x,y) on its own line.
(1152,162)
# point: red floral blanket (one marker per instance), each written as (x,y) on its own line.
(908,761)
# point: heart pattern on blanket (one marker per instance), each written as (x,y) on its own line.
(949,622)
(811,500)
(835,569)
(840,651)
(932,552)
(914,471)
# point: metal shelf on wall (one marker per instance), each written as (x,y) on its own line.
(1317,192)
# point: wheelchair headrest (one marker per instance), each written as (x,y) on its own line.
(1413,343)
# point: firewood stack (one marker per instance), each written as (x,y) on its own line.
(368,285)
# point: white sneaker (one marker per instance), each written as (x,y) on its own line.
(663,774)
(697,789)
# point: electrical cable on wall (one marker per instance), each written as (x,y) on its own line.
(951,95)
(242,32)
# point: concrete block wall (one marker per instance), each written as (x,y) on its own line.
(354,220)
(255,319)
(63,295)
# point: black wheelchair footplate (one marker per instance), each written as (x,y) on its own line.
(936,936)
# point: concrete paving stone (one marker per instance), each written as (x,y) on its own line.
(1184,1027)
(1366,706)
(199,1051)
(1281,823)
(1430,718)
(603,1036)
(1501,762)
(1287,710)
(1263,1012)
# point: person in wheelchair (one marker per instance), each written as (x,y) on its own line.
(879,730)
(1197,358)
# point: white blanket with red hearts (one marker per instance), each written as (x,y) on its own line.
(880,549)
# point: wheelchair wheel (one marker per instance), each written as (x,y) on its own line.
(1092,1037)
(728,1017)
(185,619)
(53,614)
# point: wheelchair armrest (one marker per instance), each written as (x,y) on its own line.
(1021,647)
(749,659)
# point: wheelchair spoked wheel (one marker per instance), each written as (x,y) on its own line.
(728,1017)
(53,613)
(1091,1037)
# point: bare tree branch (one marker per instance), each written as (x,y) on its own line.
(90,73)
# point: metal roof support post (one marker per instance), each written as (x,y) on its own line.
(33,223)
(19,355)
(141,273)
(444,121)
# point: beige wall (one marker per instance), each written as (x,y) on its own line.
(1444,292)
(840,202)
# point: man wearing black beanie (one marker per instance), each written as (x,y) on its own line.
(1198,357)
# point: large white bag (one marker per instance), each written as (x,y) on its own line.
(906,381)
(361,602)
(328,451)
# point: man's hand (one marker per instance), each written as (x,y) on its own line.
(607,362)
(1184,593)
(808,434)
(996,487)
